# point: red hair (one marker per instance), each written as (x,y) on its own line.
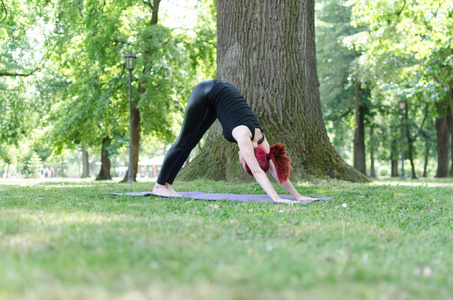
(278,156)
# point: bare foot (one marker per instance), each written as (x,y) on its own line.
(163,190)
(172,191)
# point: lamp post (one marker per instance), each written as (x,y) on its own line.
(130,64)
(402,106)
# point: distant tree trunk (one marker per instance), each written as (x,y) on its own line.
(411,160)
(394,154)
(443,145)
(135,142)
(267,50)
(395,168)
(410,143)
(425,167)
(372,140)
(450,120)
(85,163)
(359,133)
(154,7)
(451,152)
(104,173)
(450,97)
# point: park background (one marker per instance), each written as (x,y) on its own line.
(64,105)
(64,84)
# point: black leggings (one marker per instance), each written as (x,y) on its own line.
(199,116)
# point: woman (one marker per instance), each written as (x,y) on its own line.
(212,99)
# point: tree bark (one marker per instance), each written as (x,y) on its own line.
(394,168)
(410,144)
(135,142)
(425,167)
(450,97)
(450,121)
(266,48)
(104,173)
(394,157)
(372,140)
(359,133)
(443,136)
(85,163)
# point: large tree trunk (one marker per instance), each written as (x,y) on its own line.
(85,163)
(359,133)
(266,48)
(104,173)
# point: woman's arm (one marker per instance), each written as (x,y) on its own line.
(287,185)
(242,135)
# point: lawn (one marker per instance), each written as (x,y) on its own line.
(69,240)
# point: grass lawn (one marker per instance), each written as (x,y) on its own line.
(69,240)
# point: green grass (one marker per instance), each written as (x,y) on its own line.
(69,240)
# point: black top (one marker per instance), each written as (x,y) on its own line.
(231,109)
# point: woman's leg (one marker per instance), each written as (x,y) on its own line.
(197,120)
(205,125)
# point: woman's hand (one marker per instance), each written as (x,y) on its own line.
(280,200)
(303,198)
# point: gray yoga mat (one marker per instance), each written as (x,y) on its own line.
(216,196)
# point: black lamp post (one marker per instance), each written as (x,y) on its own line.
(402,106)
(130,64)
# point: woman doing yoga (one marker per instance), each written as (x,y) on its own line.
(212,99)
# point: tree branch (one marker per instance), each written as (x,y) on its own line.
(155,9)
(121,42)
(402,8)
(8,74)
(6,11)
(148,3)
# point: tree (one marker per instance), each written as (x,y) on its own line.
(408,49)
(343,91)
(17,43)
(267,50)
(85,163)
(34,165)
(88,44)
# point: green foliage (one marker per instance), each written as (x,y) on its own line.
(407,45)
(88,45)
(337,58)
(397,49)
(18,24)
(202,48)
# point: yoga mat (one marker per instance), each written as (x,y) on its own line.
(215,197)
